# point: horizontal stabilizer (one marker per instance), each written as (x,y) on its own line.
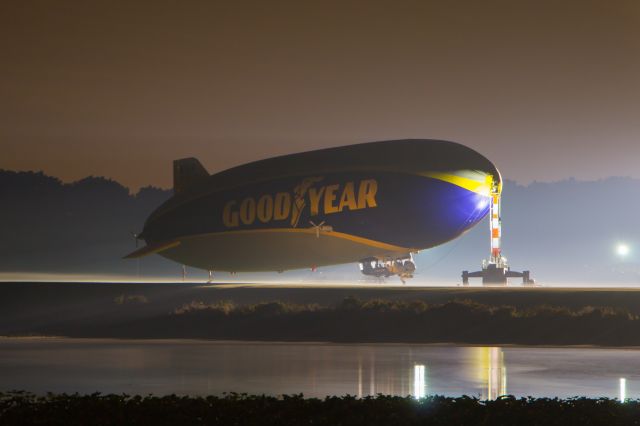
(152,249)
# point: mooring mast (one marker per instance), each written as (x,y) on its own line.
(496,270)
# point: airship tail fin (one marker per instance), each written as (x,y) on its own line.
(152,249)
(186,173)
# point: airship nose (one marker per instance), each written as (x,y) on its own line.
(462,166)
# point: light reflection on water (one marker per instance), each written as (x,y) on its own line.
(209,367)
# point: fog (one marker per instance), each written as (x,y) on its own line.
(565,233)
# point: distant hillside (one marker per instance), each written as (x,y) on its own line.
(562,231)
(84,226)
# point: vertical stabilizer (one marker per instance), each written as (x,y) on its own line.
(187,172)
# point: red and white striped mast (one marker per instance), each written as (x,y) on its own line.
(496,225)
(495,270)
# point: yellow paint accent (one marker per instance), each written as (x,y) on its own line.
(310,231)
(248,211)
(329,197)
(367,193)
(229,218)
(264,209)
(482,187)
(299,200)
(152,249)
(348,198)
(282,206)
(314,198)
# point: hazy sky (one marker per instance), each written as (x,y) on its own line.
(546,89)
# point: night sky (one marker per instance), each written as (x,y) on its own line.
(546,89)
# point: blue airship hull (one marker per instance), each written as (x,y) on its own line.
(323,214)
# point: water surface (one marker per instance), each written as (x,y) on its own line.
(209,367)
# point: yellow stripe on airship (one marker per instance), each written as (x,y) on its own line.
(480,185)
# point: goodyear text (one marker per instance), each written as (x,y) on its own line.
(328,199)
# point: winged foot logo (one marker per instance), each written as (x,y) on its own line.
(326,199)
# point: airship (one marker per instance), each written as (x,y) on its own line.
(374,203)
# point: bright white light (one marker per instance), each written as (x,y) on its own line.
(622,250)
(623,389)
(484,190)
(483,203)
(419,381)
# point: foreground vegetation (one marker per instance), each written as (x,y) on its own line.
(19,408)
(350,320)
(353,320)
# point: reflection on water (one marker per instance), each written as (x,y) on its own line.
(419,381)
(491,371)
(205,367)
(488,368)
